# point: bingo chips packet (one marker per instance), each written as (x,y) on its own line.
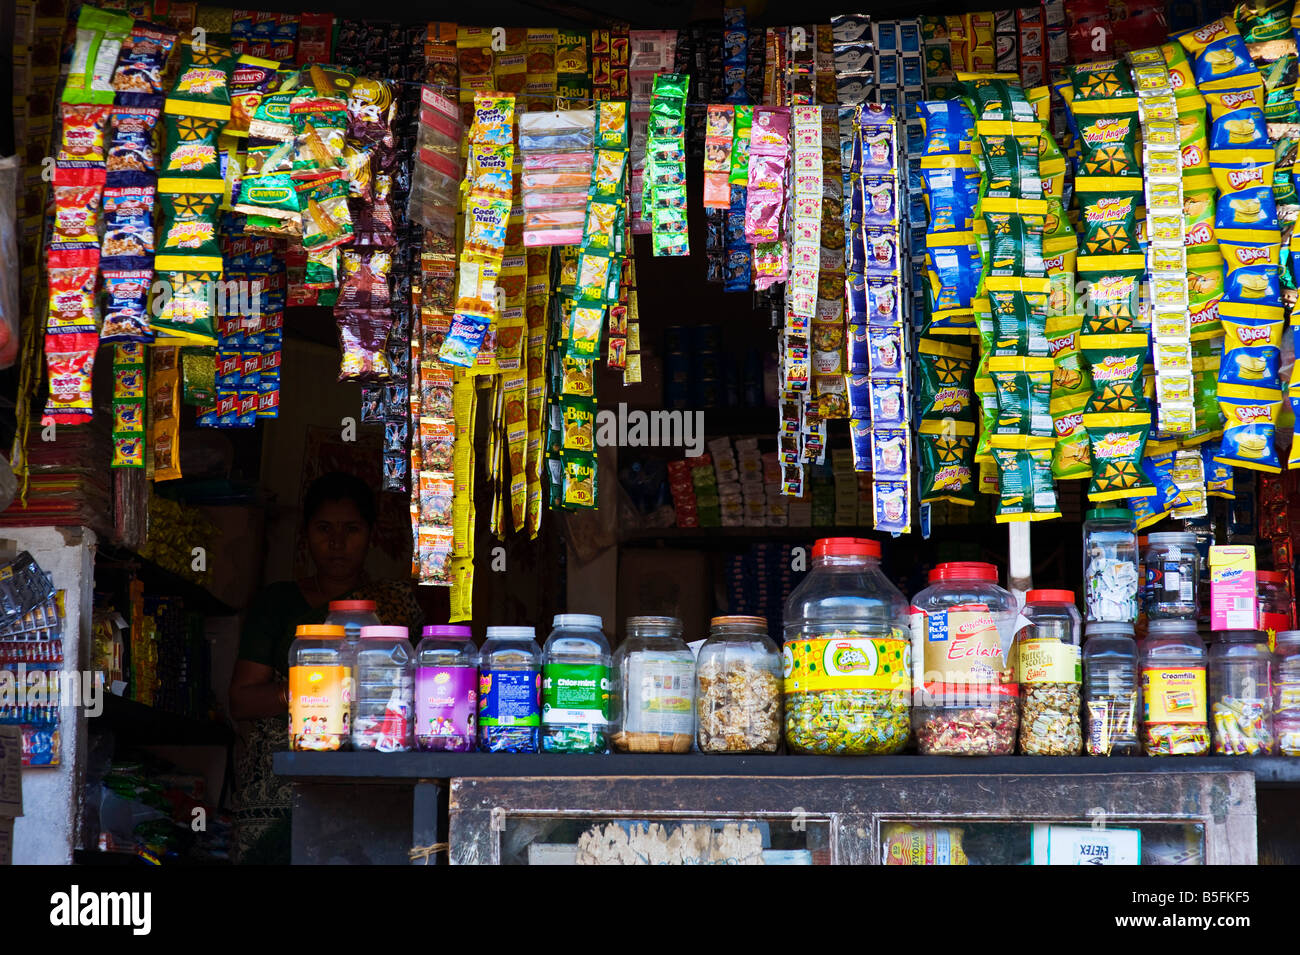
(1072,455)
(1250,429)
(202,86)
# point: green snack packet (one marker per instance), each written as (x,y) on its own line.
(945,381)
(1118,442)
(585,326)
(187,239)
(193,161)
(579,480)
(947,463)
(1015,236)
(1011,161)
(1020,315)
(1024,402)
(997,97)
(1116,363)
(1072,455)
(185,306)
(1101,79)
(578,419)
(326,220)
(202,85)
(1113,294)
(744,122)
(1108,214)
(987,392)
(322,269)
(1026,491)
(1110,145)
(198,376)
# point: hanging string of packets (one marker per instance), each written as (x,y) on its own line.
(664,183)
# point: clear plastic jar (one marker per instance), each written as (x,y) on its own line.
(1173,690)
(1110,565)
(847,655)
(575,686)
(446,690)
(320,689)
(1110,689)
(384,691)
(1050,674)
(963,663)
(652,701)
(1275,609)
(352,615)
(1171,570)
(738,688)
(509,691)
(1241,693)
(1286,692)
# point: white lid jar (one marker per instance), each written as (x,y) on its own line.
(652,699)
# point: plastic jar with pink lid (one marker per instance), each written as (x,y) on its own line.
(383,701)
(963,663)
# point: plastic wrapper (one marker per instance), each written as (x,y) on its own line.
(132,159)
(363,340)
(202,86)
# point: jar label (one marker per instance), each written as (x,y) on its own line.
(848,663)
(575,693)
(1173,695)
(658,696)
(446,701)
(959,652)
(320,705)
(1166,582)
(1044,660)
(509,698)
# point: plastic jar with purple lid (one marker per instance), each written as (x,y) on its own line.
(446,690)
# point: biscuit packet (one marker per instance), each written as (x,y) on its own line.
(1024,393)
(1026,491)
(141,65)
(946,453)
(1250,429)
(1071,455)
(1118,441)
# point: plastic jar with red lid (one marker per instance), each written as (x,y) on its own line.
(846,658)
(1274,601)
(963,663)
(1050,668)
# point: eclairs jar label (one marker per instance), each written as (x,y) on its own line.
(1047,660)
(446,701)
(509,698)
(848,662)
(957,654)
(320,707)
(1174,695)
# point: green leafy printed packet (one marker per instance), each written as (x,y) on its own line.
(947,467)
(1024,401)
(1015,235)
(579,422)
(987,392)
(1011,153)
(198,376)
(1020,315)
(598,277)
(1116,364)
(1026,491)
(188,238)
(1100,79)
(743,123)
(203,81)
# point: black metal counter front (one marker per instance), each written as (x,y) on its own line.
(358,808)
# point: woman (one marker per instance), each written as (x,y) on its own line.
(338,518)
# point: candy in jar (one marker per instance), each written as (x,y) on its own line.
(1111,687)
(1051,674)
(1242,693)
(738,688)
(320,689)
(1110,565)
(1174,711)
(1286,692)
(384,694)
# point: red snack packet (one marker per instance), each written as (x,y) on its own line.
(70,360)
(72,300)
(75,241)
(80,160)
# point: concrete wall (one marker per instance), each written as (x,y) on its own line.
(46,833)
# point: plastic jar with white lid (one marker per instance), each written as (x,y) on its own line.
(1171,571)
(575,686)
(652,701)
(384,691)
(1174,710)
(509,691)
(1111,687)
(963,663)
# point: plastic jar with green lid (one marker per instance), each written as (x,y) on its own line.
(1110,565)
(847,655)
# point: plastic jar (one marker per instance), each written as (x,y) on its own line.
(1241,693)
(1050,674)
(352,615)
(1171,570)
(963,663)
(1110,689)
(575,686)
(738,688)
(1110,565)
(652,698)
(1173,690)
(446,690)
(509,691)
(320,689)
(847,655)
(1286,692)
(1274,600)
(384,693)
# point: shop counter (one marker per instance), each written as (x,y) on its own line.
(359,808)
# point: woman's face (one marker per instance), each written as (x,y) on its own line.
(338,538)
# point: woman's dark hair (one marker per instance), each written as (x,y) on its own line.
(339,486)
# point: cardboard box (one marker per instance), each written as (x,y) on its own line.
(1233,594)
(11,788)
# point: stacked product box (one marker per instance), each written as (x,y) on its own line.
(750,465)
(846,487)
(683,492)
(1032,36)
(777,504)
(708,503)
(727,474)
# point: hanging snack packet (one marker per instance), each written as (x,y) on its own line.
(1118,441)
(1193,140)
(252,79)
(1113,291)
(75,239)
(141,62)
(185,308)
(1015,235)
(81,156)
(72,300)
(1024,388)
(365,279)
(948,127)
(1019,314)
(1116,363)
(1199,196)
(1218,54)
(946,450)
(363,341)
(1026,491)
(1108,218)
(326,221)
(131,159)
(97,43)
(70,361)
(1110,141)
(126,306)
(193,162)
(187,235)
(1102,79)
(1072,454)
(1069,374)
(1010,155)
(945,382)
(1249,433)
(997,97)
(202,85)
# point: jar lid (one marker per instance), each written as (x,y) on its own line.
(447,630)
(965,570)
(846,547)
(1049,597)
(1171,537)
(590,621)
(331,631)
(1270,576)
(1170,627)
(1110,514)
(739,621)
(1098,628)
(380,633)
(1240,636)
(512,633)
(654,623)
(353,606)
